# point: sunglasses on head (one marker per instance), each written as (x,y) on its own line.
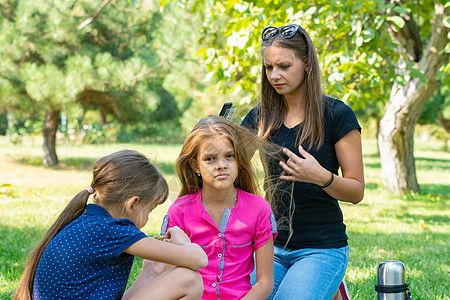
(285,32)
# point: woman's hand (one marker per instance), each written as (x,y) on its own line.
(304,169)
(349,187)
(176,236)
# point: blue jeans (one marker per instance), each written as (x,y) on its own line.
(308,273)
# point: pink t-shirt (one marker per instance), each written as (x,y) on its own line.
(229,247)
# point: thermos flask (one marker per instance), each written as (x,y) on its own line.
(392,281)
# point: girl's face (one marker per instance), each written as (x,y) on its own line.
(284,70)
(216,163)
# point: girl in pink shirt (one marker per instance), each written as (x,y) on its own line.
(218,210)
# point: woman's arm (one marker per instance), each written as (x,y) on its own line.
(264,272)
(349,187)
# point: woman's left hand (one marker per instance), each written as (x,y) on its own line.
(304,169)
(349,187)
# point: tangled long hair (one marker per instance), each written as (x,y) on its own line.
(245,144)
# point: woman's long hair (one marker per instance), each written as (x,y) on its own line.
(274,109)
(273,106)
(116,178)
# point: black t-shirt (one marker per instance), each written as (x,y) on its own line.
(317,220)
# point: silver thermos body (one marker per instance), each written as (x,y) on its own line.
(392,281)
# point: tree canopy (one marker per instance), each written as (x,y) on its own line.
(357,54)
(56,55)
(374,52)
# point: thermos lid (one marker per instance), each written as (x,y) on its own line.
(391,272)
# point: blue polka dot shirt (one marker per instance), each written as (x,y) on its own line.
(85,260)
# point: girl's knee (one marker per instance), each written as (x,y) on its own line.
(191,281)
(193,278)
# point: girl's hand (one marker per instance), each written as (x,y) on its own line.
(176,236)
(306,169)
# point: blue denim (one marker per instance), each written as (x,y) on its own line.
(308,273)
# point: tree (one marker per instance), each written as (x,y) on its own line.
(396,137)
(371,51)
(52,59)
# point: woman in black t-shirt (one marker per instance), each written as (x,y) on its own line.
(319,135)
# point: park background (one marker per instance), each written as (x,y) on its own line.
(81,79)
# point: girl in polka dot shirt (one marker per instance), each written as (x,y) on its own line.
(88,252)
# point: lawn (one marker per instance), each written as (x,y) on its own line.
(413,229)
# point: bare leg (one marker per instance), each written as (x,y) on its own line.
(150,270)
(337,295)
(176,283)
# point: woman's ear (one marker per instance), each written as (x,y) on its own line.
(132,204)
(307,68)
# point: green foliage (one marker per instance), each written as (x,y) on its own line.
(19,126)
(99,134)
(356,53)
(130,64)
(3,123)
(114,64)
(438,107)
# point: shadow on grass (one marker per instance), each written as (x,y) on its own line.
(427,163)
(6,295)
(79,163)
(75,163)
(372,155)
(15,246)
(372,165)
(440,190)
(428,219)
(407,213)
(428,192)
(372,186)
(423,163)
(84,163)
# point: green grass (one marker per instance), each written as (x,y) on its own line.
(413,229)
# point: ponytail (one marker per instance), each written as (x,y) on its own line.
(116,178)
(73,210)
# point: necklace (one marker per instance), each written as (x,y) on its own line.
(234,202)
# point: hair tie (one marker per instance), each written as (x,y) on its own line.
(89,189)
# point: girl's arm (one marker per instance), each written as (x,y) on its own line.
(175,250)
(349,187)
(264,272)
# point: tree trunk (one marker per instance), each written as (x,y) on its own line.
(402,111)
(50,126)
